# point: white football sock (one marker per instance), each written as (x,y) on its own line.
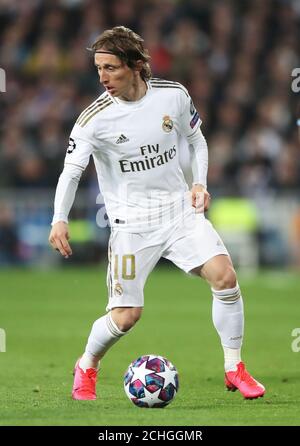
(232,356)
(104,334)
(228,319)
(88,361)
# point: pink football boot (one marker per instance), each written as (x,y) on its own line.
(84,387)
(242,380)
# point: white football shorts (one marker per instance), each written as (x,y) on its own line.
(132,256)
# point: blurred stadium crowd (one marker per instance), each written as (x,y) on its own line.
(235,57)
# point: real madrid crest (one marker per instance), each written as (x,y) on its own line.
(118,289)
(167,124)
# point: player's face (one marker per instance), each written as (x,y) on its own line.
(116,77)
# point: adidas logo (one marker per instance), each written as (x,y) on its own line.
(122,139)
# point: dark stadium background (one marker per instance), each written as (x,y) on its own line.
(235,57)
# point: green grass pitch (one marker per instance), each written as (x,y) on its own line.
(47,317)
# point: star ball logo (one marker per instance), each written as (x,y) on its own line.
(2,81)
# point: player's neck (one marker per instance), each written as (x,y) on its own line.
(136,91)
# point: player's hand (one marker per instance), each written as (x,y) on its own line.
(200,198)
(59,237)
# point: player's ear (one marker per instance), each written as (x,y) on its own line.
(139,65)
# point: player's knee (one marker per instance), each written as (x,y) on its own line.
(126,318)
(226,279)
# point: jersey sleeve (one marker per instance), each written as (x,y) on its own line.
(80,147)
(189,124)
(189,119)
(77,158)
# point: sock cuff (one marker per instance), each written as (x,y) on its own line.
(113,328)
(229,295)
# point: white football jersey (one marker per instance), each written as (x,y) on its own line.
(135,147)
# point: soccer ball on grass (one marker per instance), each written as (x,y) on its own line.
(151,381)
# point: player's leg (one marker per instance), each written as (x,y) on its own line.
(106,331)
(212,262)
(228,311)
(130,262)
(228,319)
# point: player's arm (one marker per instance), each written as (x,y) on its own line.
(77,158)
(64,198)
(199,163)
(190,127)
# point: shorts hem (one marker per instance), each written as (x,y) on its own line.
(188,270)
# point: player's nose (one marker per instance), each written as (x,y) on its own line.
(103,78)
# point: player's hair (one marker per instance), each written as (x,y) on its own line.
(125,44)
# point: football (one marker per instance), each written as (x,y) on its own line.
(151,381)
